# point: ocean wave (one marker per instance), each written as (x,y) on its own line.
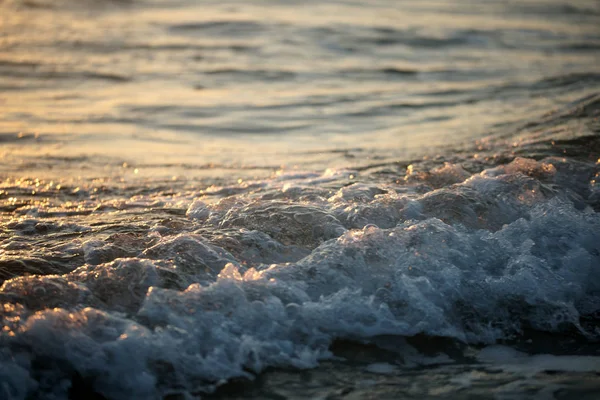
(273,275)
(195,196)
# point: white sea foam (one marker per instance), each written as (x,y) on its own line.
(276,280)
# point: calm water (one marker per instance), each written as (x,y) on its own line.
(269,83)
(270,199)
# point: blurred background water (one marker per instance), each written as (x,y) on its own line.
(268,83)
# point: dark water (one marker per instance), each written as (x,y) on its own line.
(299,200)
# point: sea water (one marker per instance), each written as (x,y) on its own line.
(265,199)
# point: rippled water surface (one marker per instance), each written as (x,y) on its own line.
(270,199)
(163,82)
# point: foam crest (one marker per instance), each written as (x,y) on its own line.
(254,280)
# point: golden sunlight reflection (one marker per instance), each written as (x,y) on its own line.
(196,196)
(200,85)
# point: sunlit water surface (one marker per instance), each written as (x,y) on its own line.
(268,199)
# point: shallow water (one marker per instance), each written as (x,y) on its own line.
(308,84)
(292,200)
